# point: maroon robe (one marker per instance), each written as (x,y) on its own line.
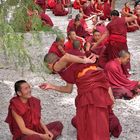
(59,10)
(120,84)
(42,4)
(47,20)
(54,49)
(92,101)
(115,127)
(80,30)
(31,114)
(117,41)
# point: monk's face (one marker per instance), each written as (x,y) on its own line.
(77,23)
(25,91)
(72,36)
(125,59)
(96,36)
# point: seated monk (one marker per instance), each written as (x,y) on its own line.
(94,94)
(24,117)
(51,3)
(59,9)
(58,46)
(46,19)
(71,37)
(42,4)
(98,6)
(100,48)
(106,10)
(126,10)
(77,4)
(122,87)
(86,8)
(78,28)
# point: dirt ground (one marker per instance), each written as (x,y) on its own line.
(58,106)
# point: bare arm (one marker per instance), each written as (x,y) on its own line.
(105,35)
(61,49)
(131,18)
(24,129)
(68,58)
(64,89)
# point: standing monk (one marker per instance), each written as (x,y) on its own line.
(94,94)
(117,37)
(24,117)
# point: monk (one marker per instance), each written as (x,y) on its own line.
(78,28)
(122,87)
(117,38)
(77,4)
(126,10)
(42,4)
(99,49)
(71,38)
(24,117)
(106,10)
(59,9)
(58,46)
(94,94)
(46,19)
(51,3)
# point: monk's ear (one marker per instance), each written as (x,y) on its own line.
(18,94)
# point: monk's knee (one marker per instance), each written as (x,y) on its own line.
(59,125)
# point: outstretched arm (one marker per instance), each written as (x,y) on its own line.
(64,89)
(68,58)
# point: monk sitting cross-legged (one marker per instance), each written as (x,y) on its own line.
(94,94)
(59,9)
(24,117)
(122,87)
(58,46)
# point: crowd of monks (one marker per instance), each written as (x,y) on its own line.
(95,58)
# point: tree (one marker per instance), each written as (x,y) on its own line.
(14,23)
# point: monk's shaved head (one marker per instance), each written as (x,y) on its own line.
(50,58)
(124,57)
(124,53)
(59,38)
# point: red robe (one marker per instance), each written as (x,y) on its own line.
(76,5)
(51,4)
(106,10)
(91,102)
(120,84)
(46,19)
(31,114)
(54,49)
(132,27)
(42,4)
(59,10)
(87,10)
(69,44)
(99,49)
(80,30)
(115,127)
(117,41)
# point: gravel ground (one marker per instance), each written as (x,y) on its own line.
(56,106)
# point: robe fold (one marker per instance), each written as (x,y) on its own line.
(115,127)
(121,85)
(31,115)
(59,10)
(54,49)
(51,4)
(92,101)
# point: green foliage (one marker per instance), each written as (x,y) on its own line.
(13,29)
